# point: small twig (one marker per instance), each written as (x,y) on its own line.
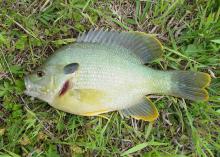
(2,74)
(212,73)
(164,115)
(43,8)
(124,140)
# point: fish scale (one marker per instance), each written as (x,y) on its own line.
(104,71)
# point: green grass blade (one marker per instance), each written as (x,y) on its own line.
(142,146)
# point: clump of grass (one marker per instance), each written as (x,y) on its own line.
(32,30)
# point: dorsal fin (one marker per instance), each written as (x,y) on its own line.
(143,46)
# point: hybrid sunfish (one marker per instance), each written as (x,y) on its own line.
(104,71)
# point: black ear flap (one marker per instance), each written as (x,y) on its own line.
(70,68)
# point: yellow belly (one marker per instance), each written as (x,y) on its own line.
(87,102)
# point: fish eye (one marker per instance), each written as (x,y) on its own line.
(40,73)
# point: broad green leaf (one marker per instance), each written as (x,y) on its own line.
(216,41)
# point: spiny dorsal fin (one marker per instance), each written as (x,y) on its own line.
(144,110)
(143,46)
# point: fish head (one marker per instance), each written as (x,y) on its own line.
(48,81)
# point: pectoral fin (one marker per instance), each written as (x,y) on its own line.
(144,110)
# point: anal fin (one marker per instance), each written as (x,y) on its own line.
(144,110)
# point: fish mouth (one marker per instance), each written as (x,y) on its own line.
(29,89)
(27,85)
(35,91)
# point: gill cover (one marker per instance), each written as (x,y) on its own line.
(70,68)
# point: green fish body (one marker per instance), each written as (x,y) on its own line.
(104,71)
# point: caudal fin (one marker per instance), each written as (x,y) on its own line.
(190,85)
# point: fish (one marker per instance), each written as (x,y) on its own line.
(106,71)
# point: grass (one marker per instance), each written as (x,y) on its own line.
(32,30)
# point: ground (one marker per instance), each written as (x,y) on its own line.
(30,31)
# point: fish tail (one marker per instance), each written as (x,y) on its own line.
(189,85)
